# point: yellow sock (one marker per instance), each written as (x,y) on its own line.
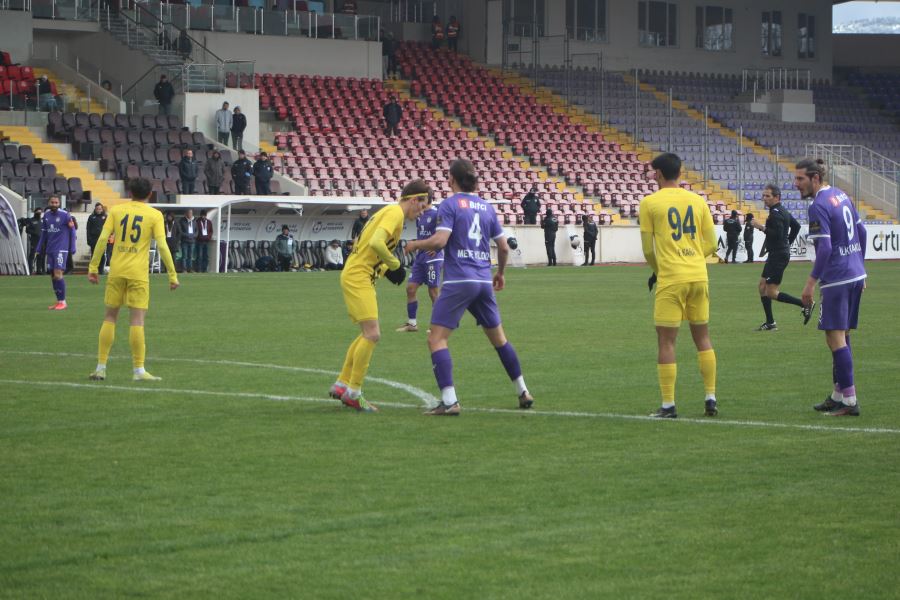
(347,369)
(138,348)
(107,337)
(361,357)
(707,360)
(667,374)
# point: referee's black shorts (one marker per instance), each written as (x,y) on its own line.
(773,271)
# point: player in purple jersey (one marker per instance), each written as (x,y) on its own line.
(840,239)
(466,225)
(426,269)
(57,243)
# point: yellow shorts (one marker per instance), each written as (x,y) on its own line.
(682,302)
(359,296)
(129,292)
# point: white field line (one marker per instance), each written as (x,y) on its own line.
(421,394)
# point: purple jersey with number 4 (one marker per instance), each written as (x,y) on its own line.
(472,224)
(832,215)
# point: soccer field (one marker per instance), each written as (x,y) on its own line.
(236,477)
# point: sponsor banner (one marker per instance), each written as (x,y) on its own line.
(882,241)
(801,249)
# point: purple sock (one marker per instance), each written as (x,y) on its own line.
(834,375)
(59,288)
(510,360)
(843,366)
(443,368)
(412,308)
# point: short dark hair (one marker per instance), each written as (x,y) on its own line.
(416,187)
(203,213)
(813,167)
(748,217)
(140,188)
(52,196)
(283,227)
(668,164)
(463,172)
(776,191)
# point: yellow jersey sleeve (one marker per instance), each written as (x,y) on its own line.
(364,262)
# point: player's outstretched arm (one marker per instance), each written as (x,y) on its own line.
(99,248)
(437,241)
(159,234)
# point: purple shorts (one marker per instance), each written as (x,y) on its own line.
(456,298)
(839,306)
(427,272)
(58,260)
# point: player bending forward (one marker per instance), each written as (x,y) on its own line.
(372,257)
(677,235)
(132,225)
(466,225)
(425,269)
(840,239)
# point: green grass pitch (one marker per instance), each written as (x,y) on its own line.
(234,479)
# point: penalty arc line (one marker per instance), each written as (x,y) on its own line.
(426,398)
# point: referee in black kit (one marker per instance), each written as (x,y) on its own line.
(781,229)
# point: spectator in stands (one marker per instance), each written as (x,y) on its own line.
(238,125)
(392,115)
(531,206)
(173,234)
(164,93)
(437,32)
(241,172)
(224,121)
(214,169)
(284,249)
(204,237)
(732,228)
(187,229)
(349,7)
(334,258)
(94,227)
(263,173)
(187,169)
(388,55)
(550,225)
(33,231)
(452,33)
(184,44)
(46,99)
(359,223)
(106,85)
(590,239)
(748,236)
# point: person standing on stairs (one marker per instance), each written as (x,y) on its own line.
(164,93)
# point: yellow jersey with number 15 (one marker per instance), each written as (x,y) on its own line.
(132,225)
(680,222)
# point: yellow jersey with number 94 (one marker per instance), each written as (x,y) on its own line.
(680,221)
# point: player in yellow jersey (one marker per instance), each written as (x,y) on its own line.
(372,257)
(132,225)
(677,235)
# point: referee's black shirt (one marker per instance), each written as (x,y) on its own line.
(781,231)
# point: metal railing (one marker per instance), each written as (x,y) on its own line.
(866,174)
(67,10)
(763,81)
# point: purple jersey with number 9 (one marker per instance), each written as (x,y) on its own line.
(472,224)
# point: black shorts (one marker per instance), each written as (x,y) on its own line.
(774,269)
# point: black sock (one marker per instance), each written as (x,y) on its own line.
(787,298)
(767,306)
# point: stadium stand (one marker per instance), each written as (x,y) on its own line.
(339,147)
(481,98)
(882,90)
